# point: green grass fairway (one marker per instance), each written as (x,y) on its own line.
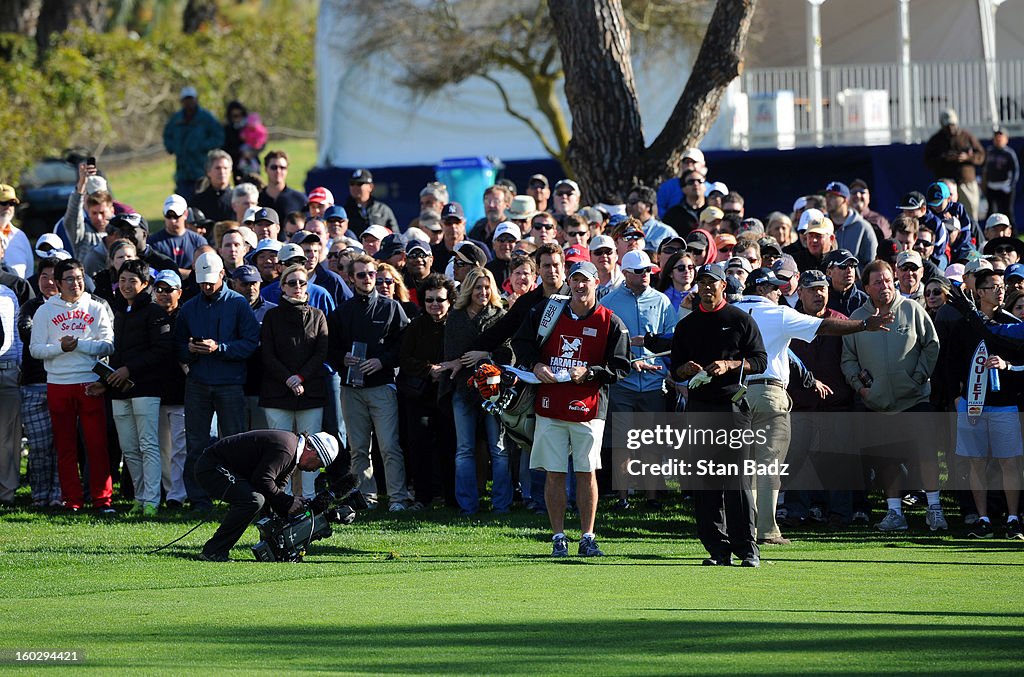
(441,594)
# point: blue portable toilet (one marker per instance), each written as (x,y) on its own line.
(467,178)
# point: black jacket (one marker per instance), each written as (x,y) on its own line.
(374,320)
(32,370)
(214,204)
(293,341)
(142,342)
(422,346)
(264,457)
(376,213)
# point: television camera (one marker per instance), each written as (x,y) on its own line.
(285,539)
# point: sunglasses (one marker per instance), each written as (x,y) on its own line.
(162,289)
(696,252)
(639,271)
(296,283)
(577,233)
(420,254)
(1003,249)
(670,250)
(684,268)
(934,292)
(695,182)
(543,226)
(459,263)
(603,251)
(633,236)
(363,274)
(843,266)
(434,299)
(923,244)
(381,281)
(910,268)
(334,255)
(8,203)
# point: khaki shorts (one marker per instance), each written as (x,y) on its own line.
(554,440)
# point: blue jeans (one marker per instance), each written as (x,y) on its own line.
(467,415)
(201,402)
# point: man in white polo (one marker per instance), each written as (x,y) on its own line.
(766,392)
(585,351)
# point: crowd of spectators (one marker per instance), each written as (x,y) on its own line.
(129,347)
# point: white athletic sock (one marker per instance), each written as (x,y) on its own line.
(933,499)
(984,518)
(555,537)
(895,504)
(1011,518)
(588,534)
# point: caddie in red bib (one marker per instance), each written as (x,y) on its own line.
(575,361)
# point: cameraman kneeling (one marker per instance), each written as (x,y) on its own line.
(251,469)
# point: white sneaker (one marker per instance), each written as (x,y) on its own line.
(893,521)
(935,519)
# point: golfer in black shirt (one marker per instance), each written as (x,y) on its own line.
(724,343)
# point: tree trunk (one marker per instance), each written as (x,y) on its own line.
(607,151)
(198,13)
(56,15)
(718,63)
(607,134)
(20,17)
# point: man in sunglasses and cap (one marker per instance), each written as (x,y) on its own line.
(252,469)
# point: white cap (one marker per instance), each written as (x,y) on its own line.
(175,204)
(716,186)
(997,220)
(248,236)
(417,234)
(250,214)
(290,251)
(379,232)
(811,215)
(694,154)
(601,242)
(799,203)
(52,242)
(95,184)
(507,228)
(208,268)
(187,92)
(738,262)
(326,447)
(634,259)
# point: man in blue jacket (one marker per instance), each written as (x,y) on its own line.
(644,310)
(189,135)
(215,334)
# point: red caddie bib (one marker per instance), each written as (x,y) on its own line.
(574,343)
